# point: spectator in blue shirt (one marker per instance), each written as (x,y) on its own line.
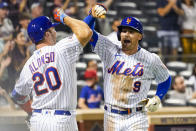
(91,95)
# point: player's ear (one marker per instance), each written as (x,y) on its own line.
(140,36)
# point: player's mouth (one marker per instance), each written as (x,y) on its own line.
(127,41)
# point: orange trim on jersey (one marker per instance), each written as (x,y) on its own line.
(129,111)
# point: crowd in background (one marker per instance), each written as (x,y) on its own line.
(177,30)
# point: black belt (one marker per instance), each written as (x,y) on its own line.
(124,112)
(56,112)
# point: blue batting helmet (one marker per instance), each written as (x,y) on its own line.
(132,23)
(37,28)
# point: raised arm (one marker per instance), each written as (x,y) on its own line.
(79,28)
(162,11)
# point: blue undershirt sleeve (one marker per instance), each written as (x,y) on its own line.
(90,21)
(163,88)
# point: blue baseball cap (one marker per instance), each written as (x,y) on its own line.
(38,26)
(3,5)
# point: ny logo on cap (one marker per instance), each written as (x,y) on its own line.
(128,20)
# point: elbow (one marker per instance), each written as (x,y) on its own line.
(86,34)
(162,14)
(89,33)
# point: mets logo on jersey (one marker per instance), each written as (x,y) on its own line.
(128,20)
(118,65)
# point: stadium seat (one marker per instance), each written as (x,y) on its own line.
(148,5)
(192,102)
(125,5)
(91,56)
(130,12)
(177,66)
(172,73)
(186,74)
(174,102)
(81,66)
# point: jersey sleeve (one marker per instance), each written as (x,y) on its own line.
(70,48)
(104,47)
(83,93)
(23,85)
(160,71)
(101,92)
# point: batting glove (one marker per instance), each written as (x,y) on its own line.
(59,15)
(98,11)
(153,104)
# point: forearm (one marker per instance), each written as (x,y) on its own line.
(163,88)
(2,68)
(90,21)
(178,10)
(108,3)
(79,28)
(65,4)
(163,11)
(23,101)
(22,5)
(83,106)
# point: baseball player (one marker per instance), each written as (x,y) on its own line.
(50,74)
(128,73)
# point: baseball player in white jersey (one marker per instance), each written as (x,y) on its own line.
(50,74)
(128,73)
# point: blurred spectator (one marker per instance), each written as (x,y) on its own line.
(192,79)
(36,10)
(6,26)
(169,12)
(188,28)
(68,10)
(180,92)
(15,8)
(19,56)
(5,61)
(91,95)
(24,20)
(7,97)
(92,65)
(101,25)
(113,35)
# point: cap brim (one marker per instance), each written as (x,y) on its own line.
(121,26)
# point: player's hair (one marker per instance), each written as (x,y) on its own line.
(15,33)
(177,76)
(192,2)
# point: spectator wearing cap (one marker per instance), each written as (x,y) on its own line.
(36,10)
(91,95)
(6,26)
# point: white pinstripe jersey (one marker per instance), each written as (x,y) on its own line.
(50,74)
(127,78)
